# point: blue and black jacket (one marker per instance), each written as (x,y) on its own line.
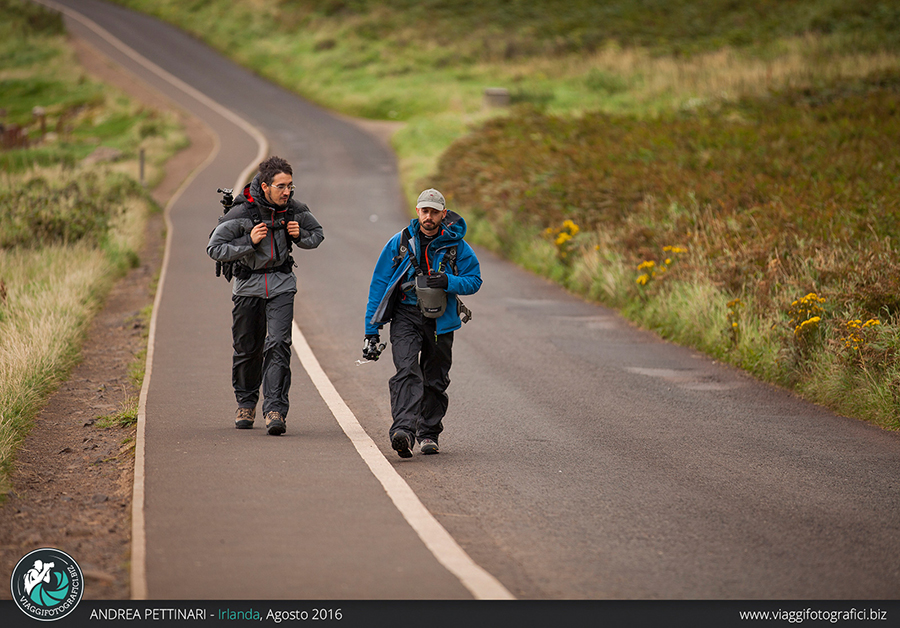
(394,271)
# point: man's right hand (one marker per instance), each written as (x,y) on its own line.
(371,348)
(258,233)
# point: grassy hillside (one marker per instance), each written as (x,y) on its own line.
(428,63)
(722,171)
(69,226)
(713,226)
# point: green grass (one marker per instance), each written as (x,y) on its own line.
(125,417)
(137,368)
(21,95)
(51,295)
(406,59)
(759,135)
(428,63)
(459,32)
(68,230)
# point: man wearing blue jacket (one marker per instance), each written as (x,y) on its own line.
(415,287)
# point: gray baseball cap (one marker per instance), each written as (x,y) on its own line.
(431,198)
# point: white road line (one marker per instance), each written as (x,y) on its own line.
(479,582)
(446,550)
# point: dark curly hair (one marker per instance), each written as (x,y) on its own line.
(271,167)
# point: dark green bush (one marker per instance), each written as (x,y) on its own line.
(28,18)
(43,212)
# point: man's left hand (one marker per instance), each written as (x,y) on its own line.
(293,229)
(437,280)
(372,348)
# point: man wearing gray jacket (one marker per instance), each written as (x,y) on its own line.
(256,235)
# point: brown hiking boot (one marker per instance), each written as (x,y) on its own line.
(275,423)
(244,419)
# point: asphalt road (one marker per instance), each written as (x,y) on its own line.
(581,458)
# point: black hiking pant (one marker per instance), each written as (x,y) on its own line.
(422,359)
(261,333)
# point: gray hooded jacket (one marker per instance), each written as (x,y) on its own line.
(230,242)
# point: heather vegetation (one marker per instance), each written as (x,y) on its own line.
(719,170)
(762,231)
(72,213)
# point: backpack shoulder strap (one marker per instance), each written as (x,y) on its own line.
(242,210)
(255,216)
(405,250)
(404,242)
(289,216)
(450,259)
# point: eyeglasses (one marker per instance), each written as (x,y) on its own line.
(281,187)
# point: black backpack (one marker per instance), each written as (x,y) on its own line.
(236,268)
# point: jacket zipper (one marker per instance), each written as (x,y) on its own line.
(425,252)
(273,248)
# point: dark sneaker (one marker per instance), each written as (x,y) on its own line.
(244,419)
(429,446)
(402,444)
(275,424)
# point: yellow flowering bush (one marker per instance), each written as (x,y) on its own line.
(649,269)
(562,238)
(806,318)
(648,272)
(808,326)
(804,309)
(674,250)
(734,319)
(857,333)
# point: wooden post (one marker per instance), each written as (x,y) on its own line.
(40,114)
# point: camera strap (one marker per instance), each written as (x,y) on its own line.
(449,259)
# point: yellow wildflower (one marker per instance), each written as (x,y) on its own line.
(571,227)
(808,325)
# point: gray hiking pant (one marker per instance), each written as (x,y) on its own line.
(422,359)
(261,334)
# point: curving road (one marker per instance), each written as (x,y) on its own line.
(582,458)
